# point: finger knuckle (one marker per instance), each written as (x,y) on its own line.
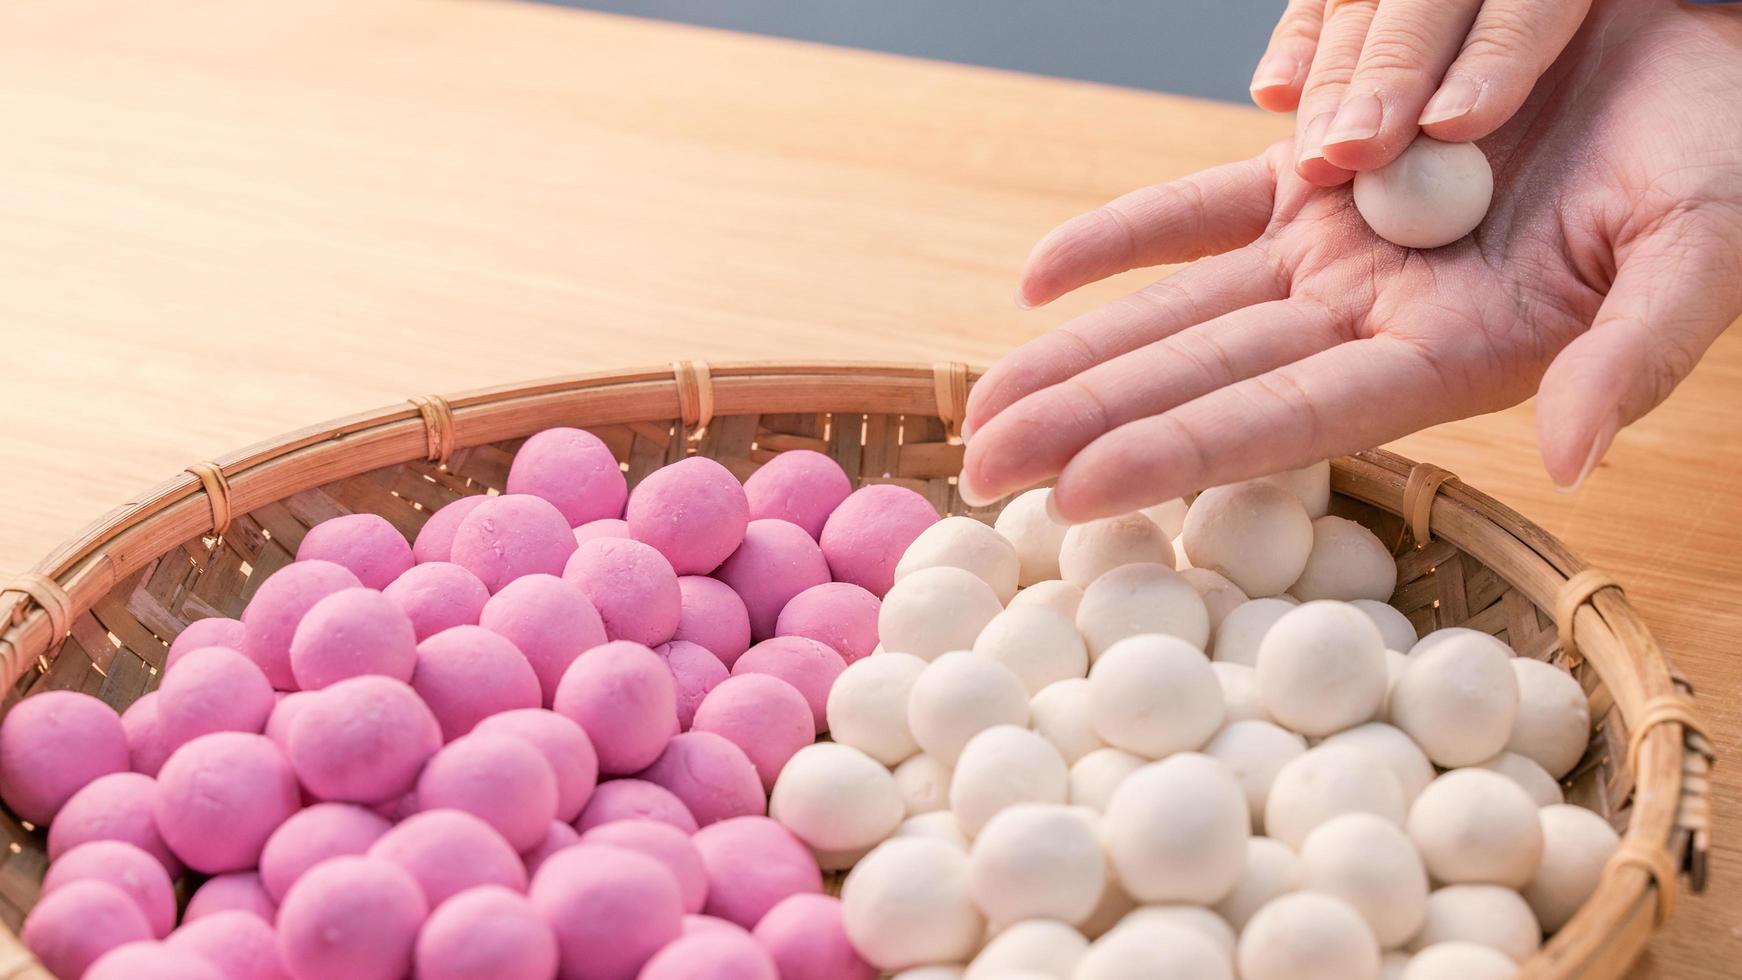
(1500,37)
(1396,50)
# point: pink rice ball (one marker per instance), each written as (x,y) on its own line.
(711,956)
(713,777)
(665,844)
(777,561)
(241,946)
(351,918)
(573,469)
(868,532)
(325,830)
(362,741)
(512,535)
(126,867)
(810,667)
(367,544)
(435,540)
(500,779)
(612,909)
(693,511)
(559,837)
(631,585)
(54,744)
(212,690)
(624,697)
(694,671)
(238,892)
(808,941)
(761,714)
(753,865)
(486,933)
(550,621)
(70,929)
(213,631)
(283,713)
(351,633)
(448,852)
(801,486)
(270,620)
(711,615)
(840,614)
(564,745)
(152,961)
(605,527)
(220,796)
(146,749)
(437,595)
(117,807)
(634,799)
(705,924)
(468,673)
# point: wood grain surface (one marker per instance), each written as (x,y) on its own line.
(223,219)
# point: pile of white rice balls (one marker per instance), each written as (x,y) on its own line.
(1190,742)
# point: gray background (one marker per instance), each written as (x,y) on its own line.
(1193,47)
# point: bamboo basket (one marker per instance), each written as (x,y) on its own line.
(98,614)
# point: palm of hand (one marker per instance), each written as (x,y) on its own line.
(1319,338)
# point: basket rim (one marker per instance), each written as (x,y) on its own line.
(1612,926)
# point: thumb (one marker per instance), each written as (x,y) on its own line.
(1676,291)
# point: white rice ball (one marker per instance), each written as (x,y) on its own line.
(1037,861)
(1459,961)
(1256,534)
(1164,952)
(1055,594)
(1037,947)
(1154,695)
(965,543)
(1390,745)
(1489,915)
(1370,863)
(1037,538)
(1240,700)
(1132,600)
(945,972)
(1308,936)
(1394,626)
(1095,776)
(1197,918)
(907,904)
(1000,767)
(1321,668)
(1392,965)
(935,610)
(1063,715)
(1038,644)
(924,783)
(1445,633)
(1096,548)
(1395,664)
(1271,870)
(1474,826)
(1169,515)
(1176,830)
(937,825)
(1311,485)
(1576,846)
(1327,781)
(1244,628)
(959,695)
(867,706)
(1255,751)
(1458,700)
(836,798)
(1220,596)
(1347,562)
(1554,717)
(1532,778)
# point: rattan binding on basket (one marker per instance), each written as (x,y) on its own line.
(438,424)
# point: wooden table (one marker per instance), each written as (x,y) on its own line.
(220,220)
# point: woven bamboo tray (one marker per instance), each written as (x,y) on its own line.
(98,614)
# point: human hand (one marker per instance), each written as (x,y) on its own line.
(1610,260)
(1368,76)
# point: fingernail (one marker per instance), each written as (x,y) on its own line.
(1274,70)
(969,495)
(967,432)
(1456,97)
(1022,302)
(1599,446)
(1357,119)
(1312,139)
(1052,510)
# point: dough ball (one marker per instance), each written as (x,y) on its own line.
(559,837)
(1040,947)
(968,544)
(1037,538)
(325,830)
(612,909)
(1154,695)
(1448,633)
(1161,951)
(437,595)
(810,667)
(1240,700)
(146,748)
(435,540)
(1533,778)
(1000,767)
(633,589)
(363,740)
(924,783)
(549,621)
(278,605)
(468,673)
(1176,830)
(1370,863)
(1037,861)
(128,868)
(806,937)
(512,535)
(367,544)
(753,865)
(502,780)
(1433,194)
(934,611)
(868,706)
(351,917)
(1311,485)
(1308,936)
(1038,644)
(1137,599)
(1096,548)
(711,615)
(1245,627)
(765,717)
(1474,826)
(238,892)
(1054,593)
(836,798)
(116,807)
(1195,918)
(634,799)
(1095,777)
(711,955)
(219,690)
(667,845)
(1576,846)
(1169,515)
(239,945)
(1321,668)
(801,486)
(1458,700)
(347,634)
(624,698)
(1255,751)
(1488,915)
(693,512)
(839,614)
(711,775)
(1220,596)
(1271,870)
(1256,534)
(1553,726)
(936,824)
(866,535)
(959,695)
(1063,713)
(1327,781)
(1394,626)
(72,928)
(486,932)
(574,470)
(1399,753)
(213,631)
(907,904)
(1347,562)
(220,796)
(151,961)
(1395,664)
(694,672)
(1459,961)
